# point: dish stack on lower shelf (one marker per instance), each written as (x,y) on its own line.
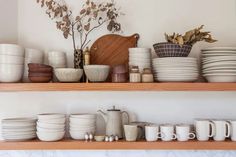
(219,64)
(18,129)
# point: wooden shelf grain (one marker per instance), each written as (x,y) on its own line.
(120,145)
(10,87)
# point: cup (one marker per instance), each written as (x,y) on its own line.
(204,129)
(221,130)
(233,130)
(131,132)
(151,133)
(167,132)
(183,132)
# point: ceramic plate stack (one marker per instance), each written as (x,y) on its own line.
(140,57)
(18,129)
(11,63)
(219,64)
(51,127)
(81,124)
(175,69)
(31,56)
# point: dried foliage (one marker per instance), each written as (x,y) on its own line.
(191,37)
(91,16)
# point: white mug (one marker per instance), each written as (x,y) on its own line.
(203,129)
(167,133)
(221,130)
(233,130)
(183,132)
(131,132)
(151,133)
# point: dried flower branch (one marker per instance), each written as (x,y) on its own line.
(191,37)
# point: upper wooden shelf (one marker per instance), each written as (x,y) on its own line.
(120,145)
(8,87)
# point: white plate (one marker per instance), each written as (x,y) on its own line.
(219,64)
(222,68)
(215,55)
(219,71)
(9,120)
(220,78)
(220,49)
(176,79)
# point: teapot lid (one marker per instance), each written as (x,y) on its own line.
(113,109)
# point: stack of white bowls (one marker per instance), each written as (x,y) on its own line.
(57,59)
(219,64)
(175,69)
(51,127)
(18,129)
(11,63)
(32,56)
(140,57)
(82,124)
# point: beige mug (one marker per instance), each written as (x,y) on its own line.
(131,132)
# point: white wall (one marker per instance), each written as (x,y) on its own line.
(8,18)
(149,18)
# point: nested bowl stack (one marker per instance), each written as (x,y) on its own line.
(18,129)
(11,63)
(219,64)
(172,50)
(40,73)
(82,124)
(51,127)
(175,69)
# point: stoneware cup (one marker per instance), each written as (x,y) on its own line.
(221,130)
(183,132)
(151,133)
(167,132)
(204,129)
(131,132)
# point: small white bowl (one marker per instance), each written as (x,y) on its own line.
(12,49)
(139,50)
(40,129)
(83,116)
(50,136)
(50,126)
(55,54)
(11,73)
(97,73)
(5,59)
(220,78)
(78,135)
(33,53)
(54,121)
(48,116)
(99,138)
(68,74)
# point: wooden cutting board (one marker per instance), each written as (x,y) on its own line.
(112,49)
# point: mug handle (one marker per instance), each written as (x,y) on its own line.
(227,132)
(191,136)
(212,126)
(174,137)
(160,135)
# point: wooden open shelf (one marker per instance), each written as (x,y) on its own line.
(117,87)
(120,145)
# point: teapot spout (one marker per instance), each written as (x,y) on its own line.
(103,114)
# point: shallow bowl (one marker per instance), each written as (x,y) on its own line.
(68,74)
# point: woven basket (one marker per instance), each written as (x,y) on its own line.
(172,50)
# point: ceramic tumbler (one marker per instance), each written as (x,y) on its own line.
(131,132)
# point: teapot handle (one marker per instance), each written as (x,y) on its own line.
(124,112)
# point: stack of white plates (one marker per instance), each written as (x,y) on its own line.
(82,124)
(31,56)
(11,62)
(219,64)
(51,127)
(18,129)
(140,57)
(175,69)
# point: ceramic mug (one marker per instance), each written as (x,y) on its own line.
(183,132)
(151,133)
(233,130)
(167,133)
(131,132)
(204,129)
(221,130)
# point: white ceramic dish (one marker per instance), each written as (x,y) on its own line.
(51,126)
(54,121)
(10,73)
(219,71)
(54,54)
(14,120)
(39,129)
(220,78)
(97,73)
(78,135)
(219,64)
(19,133)
(139,50)
(176,79)
(48,116)
(11,49)
(99,138)
(220,49)
(4,59)
(23,129)
(50,136)
(84,116)
(68,74)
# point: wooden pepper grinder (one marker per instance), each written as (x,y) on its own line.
(86,56)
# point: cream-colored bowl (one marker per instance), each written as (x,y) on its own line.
(68,74)
(6,59)
(97,73)
(49,116)
(50,136)
(12,49)
(50,126)
(10,73)
(99,138)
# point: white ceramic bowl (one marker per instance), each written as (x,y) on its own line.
(40,129)
(11,73)
(5,59)
(68,74)
(78,135)
(11,49)
(97,73)
(54,121)
(83,116)
(139,50)
(54,54)
(33,53)
(50,136)
(220,78)
(48,116)
(50,126)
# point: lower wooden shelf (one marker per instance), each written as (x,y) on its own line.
(120,145)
